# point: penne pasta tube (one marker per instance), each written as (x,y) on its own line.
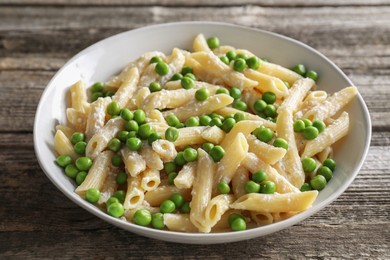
(279,72)
(240,178)
(150,179)
(262,218)
(134,163)
(213,65)
(152,159)
(96,116)
(63,146)
(157,196)
(78,97)
(179,222)
(266,83)
(109,187)
(201,190)
(190,136)
(297,93)
(100,140)
(213,134)
(334,132)
(268,153)
(254,164)
(77,119)
(185,177)
(276,202)
(229,110)
(165,149)
(325,154)
(97,174)
(216,208)
(196,108)
(245,127)
(127,88)
(134,194)
(200,43)
(67,131)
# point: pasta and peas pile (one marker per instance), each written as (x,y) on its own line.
(204,141)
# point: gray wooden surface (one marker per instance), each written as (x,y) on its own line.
(38,36)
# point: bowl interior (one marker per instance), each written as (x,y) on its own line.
(108,57)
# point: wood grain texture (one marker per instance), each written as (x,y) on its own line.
(38,36)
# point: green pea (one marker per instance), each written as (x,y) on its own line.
(318,182)
(280,142)
(120,195)
(299,126)
(187,83)
(113,109)
(326,172)
(257,131)
(139,116)
(238,224)
(186,70)
(167,206)
(268,187)
(63,160)
(172,120)
(186,207)
(134,143)
(111,200)
(216,121)
(300,69)
(265,135)
(215,115)
(269,97)
(307,122)
(169,167)
(331,164)
(252,187)
(153,137)
(272,119)
(240,105)
(312,74)
(287,84)
(228,124)
(310,133)
(222,91)
(144,131)
(233,217)
(204,120)
(83,163)
(253,62)
(178,199)
(239,116)
(116,210)
(309,164)
(109,93)
(207,147)
(132,134)
(192,121)
(171,134)
(97,87)
(190,75)
(180,125)
(131,125)
(171,178)
(162,68)
(259,105)
(224,59)
(80,177)
(92,195)
(96,95)
(270,111)
(231,55)
(77,137)
(202,94)
(155,59)
(242,56)
(319,125)
(223,187)
(213,42)
(305,187)
(142,217)
(217,153)
(71,171)
(190,154)
(126,114)
(176,76)
(158,221)
(114,145)
(239,65)
(259,176)
(235,93)
(79,147)
(116,160)
(179,159)
(121,178)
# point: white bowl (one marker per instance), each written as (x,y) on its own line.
(109,56)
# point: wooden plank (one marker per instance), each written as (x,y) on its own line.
(274,19)
(195,4)
(24,89)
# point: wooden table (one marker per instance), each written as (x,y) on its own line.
(38,36)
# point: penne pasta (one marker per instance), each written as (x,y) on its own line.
(157,196)
(185,177)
